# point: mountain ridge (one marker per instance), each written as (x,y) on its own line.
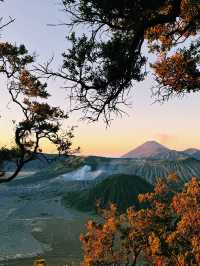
(155,150)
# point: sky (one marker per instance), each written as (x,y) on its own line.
(174,124)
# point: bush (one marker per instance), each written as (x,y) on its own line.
(165,233)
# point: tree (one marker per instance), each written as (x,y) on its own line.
(40,120)
(165,233)
(104,62)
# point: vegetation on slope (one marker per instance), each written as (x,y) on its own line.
(120,189)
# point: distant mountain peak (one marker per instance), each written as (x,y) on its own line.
(147,149)
(152,144)
(152,141)
(154,150)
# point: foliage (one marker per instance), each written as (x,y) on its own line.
(40,262)
(9,154)
(106,60)
(165,233)
(12,153)
(40,120)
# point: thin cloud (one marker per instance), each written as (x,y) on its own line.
(165,138)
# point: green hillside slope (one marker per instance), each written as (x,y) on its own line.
(120,189)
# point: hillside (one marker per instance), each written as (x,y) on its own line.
(149,169)
(120,189)
(47,171)
(98,168)
(32,207)
(194,153)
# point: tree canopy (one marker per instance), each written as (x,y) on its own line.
(30,94)
(165,233)
(104,62)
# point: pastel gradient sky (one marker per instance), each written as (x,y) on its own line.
(175,124)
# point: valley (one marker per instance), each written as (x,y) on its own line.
(43,211)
